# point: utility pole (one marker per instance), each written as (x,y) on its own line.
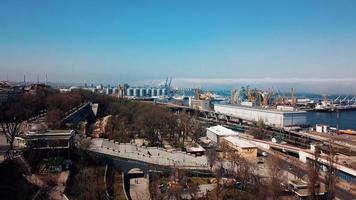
(337,119)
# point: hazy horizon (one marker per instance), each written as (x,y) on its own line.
(302,86)
(309,45)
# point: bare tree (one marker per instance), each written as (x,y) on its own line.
(184,127)
(54,117)
(12,116)
(212,156)
(275,171)
(314,175)
(91,183)
(215,160)
(240,169)
(330,176)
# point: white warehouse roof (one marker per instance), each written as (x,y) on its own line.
(241,143)
(222,131)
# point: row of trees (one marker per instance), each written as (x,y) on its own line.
(15,112)
(154,122)
(172,187)
(226,162)
(130,119)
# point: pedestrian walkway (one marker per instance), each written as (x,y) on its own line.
(150,155)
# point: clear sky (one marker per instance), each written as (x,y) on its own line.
(134,41)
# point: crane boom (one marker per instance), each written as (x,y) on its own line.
(344,99)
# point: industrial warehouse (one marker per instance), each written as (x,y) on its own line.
(216,133)
(272,117)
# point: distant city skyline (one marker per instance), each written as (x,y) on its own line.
(303,86)
(309,44)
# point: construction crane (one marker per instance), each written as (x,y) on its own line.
(234,96)
(279,100)
(251,97)
(206,96)
(293,98)
(337,98)
(265,98)
(167,86)
(325,98)
(242,94)
(197,93)
(344,99)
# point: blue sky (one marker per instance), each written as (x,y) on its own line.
(138,41)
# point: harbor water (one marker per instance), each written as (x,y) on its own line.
(346,119)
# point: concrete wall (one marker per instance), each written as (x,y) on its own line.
(290,119)
(250,154)
(260,144)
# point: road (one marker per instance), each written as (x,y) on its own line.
(139,187)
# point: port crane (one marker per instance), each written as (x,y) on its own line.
(344,99)
(337,98)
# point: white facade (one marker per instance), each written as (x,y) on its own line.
(149,92)
(159,92)
(142,92)
(215,133)
(136,92)
(322,128)
(129,92)
(146,92)
(271,117)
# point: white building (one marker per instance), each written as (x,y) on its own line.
(216,133)
(271,117)
(145,92)
(322,128)
(129,92)
(142,92)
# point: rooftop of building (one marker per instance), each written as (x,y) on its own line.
(271,110)
(49,134)
(222,131)
(241,143)
(298,183)
(301,188)
(196,148)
